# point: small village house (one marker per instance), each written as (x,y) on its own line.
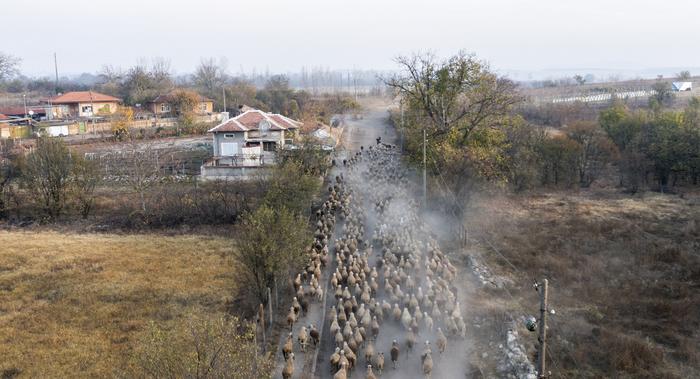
(682,86)
(247,142)
(163,105)
(83,104)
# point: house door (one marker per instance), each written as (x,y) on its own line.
(229,148)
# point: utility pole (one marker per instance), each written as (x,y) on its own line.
(425,185)
(92,113)
(543,329)
(55,65)
(224,92)
(402,123)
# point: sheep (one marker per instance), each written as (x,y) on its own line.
(288,369)
(342,373)
(396,312)
(296,307)
(304,305)
(406,319)
(369,352)
(410,340)
(334,325)
(375,327)
(288,346)
(303,338)
(370,374)
(350,355)
(314,334)
(379,363)
(441,341)
(339,338)
(428,364)
(428,321)
(291,318)
(335,360)
(394,353)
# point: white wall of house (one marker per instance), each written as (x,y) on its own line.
(230,143)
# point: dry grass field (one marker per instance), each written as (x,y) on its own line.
(75,305)
(624,278)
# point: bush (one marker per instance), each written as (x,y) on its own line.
(204,348)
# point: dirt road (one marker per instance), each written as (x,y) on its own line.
(453,363)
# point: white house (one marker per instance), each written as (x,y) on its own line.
(247,142)
(682,86)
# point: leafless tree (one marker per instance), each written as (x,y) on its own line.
(9,66)
(210,75)
(140,167)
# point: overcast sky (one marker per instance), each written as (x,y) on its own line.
(284,35)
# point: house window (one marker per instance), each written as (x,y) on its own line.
(269,146)
(165,108)
(87,109)
(203,107)
(229,136)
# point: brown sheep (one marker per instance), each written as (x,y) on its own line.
(441,341)
(288,369)
(335,360)
(291,318)
(288,346)
(342,373)
(428,365)
(369,352)
(379,363)
(410,340)
(303,338)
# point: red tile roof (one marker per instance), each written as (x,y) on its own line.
(83,97)
(251,120)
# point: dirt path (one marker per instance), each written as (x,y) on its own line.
(451,364)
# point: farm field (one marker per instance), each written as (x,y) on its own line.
(76,305)
(623,273)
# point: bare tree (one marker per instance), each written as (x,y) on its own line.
(210,76)
(84,179)
(9,66)
(140,167)
(684,75)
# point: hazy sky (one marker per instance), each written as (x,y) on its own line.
(284,35)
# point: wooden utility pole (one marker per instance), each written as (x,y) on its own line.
(541,373)
(223,90)
(425,185)
(269,303)
(262,324)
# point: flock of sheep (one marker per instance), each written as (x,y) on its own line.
(392,282)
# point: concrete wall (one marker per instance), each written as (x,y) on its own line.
(218,138)
(209,108)
(233,173)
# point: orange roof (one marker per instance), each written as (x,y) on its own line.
(250,120)
(83,97)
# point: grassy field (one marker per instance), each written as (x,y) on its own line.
(75,305)
(624,278)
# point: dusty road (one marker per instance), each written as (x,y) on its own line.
(400,215)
